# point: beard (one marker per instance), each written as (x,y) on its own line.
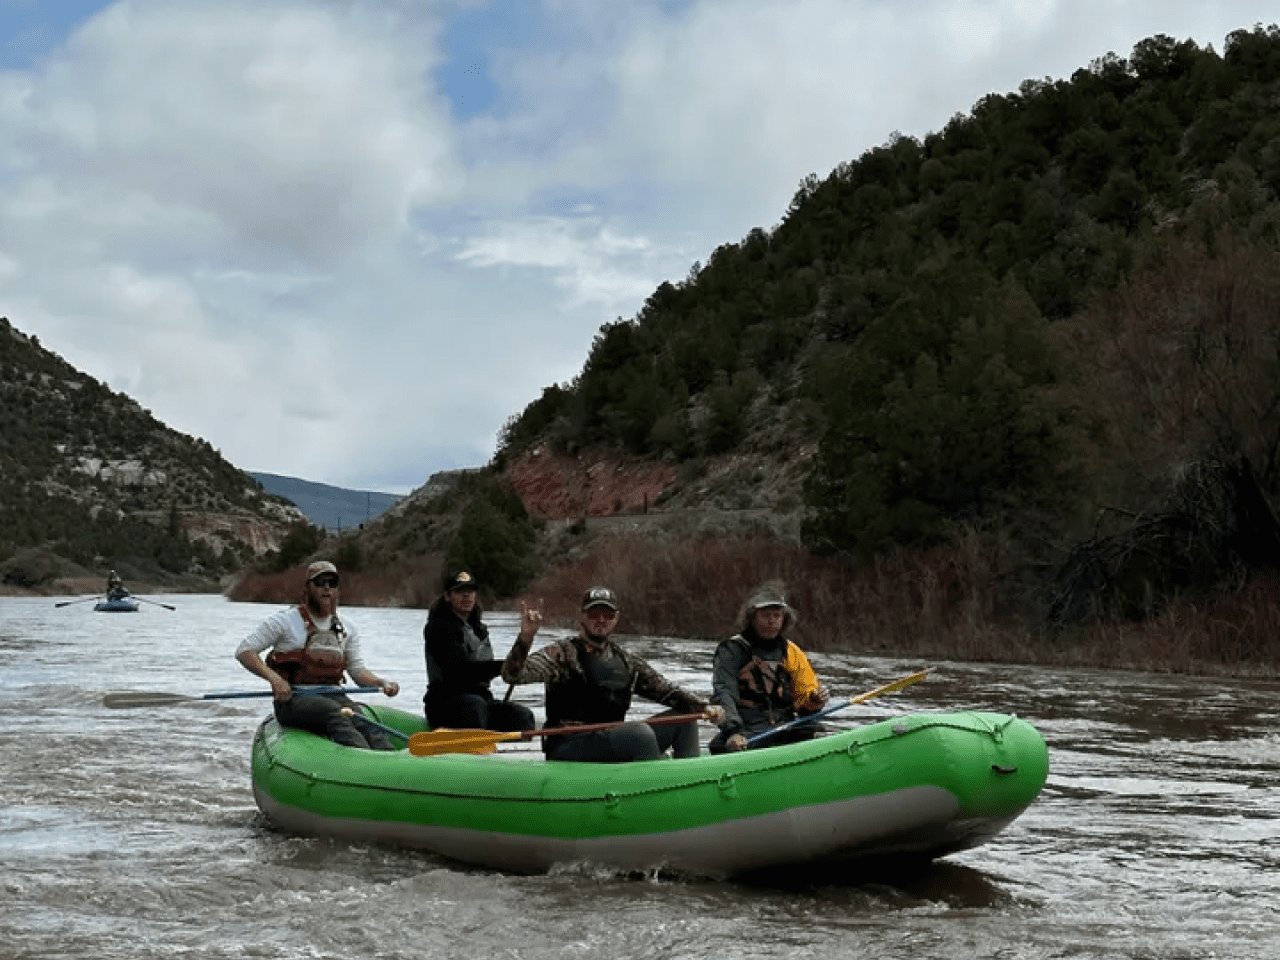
(593,638)
(321,607)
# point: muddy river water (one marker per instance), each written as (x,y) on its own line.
(133,833)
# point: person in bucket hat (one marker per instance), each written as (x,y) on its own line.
(761,678)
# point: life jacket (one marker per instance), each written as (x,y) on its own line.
(775,688)
(600,693)
(322,660)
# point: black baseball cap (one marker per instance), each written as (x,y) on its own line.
(460,581)
(600,597)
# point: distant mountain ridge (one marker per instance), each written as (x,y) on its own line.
(334,508)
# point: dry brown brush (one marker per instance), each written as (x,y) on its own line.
(942,602)
(408,584)
(952,603)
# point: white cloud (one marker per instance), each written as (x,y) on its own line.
(597,264)
(293,133)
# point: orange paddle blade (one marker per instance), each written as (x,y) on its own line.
(435,742)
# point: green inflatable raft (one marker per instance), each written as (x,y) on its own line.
(921,786)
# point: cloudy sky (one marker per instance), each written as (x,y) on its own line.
(345,240)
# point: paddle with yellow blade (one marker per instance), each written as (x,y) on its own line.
(435,742)
(827,711)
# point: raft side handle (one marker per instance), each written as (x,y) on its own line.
(728,786)
(1004,769)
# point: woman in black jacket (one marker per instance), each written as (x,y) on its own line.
(460,664)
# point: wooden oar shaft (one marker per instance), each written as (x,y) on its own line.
(598,727)
(445,740)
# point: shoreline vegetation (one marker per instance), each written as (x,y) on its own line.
(954,603)
(944,604)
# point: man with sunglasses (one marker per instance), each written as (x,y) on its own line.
(590,678)
(311,645)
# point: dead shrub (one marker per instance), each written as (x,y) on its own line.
(949,603)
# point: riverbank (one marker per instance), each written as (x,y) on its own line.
(960,604)
(96,586)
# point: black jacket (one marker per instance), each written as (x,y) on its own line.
(459,657)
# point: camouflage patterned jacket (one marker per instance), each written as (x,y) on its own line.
(573,693)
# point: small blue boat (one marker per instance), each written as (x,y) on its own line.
(117,603)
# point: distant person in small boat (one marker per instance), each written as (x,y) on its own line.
(762,679)
(460,663)
(590,678)
(311,644)
(115,587)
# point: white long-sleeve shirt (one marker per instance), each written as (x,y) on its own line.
(286,630)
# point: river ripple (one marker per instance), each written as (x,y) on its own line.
(133,833)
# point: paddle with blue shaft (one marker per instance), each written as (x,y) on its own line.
(143,698)
(67,603)
(444,740)
(155,603)
(835,708)
(374,723)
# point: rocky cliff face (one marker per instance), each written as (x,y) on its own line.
(557,486)
(748,492)
(260,532)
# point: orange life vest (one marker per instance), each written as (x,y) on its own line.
(322,660)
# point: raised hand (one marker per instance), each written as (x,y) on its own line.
(530,620)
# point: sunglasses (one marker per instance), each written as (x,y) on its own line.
(327,580)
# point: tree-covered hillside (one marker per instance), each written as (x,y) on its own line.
(89,476)
(1054,304)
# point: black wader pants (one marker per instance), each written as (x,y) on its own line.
(806,731)
(321,713)
(472,712)
(631,741)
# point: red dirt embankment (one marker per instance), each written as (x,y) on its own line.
(557,486)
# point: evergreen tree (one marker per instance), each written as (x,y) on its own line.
(495,538)
(942,411)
